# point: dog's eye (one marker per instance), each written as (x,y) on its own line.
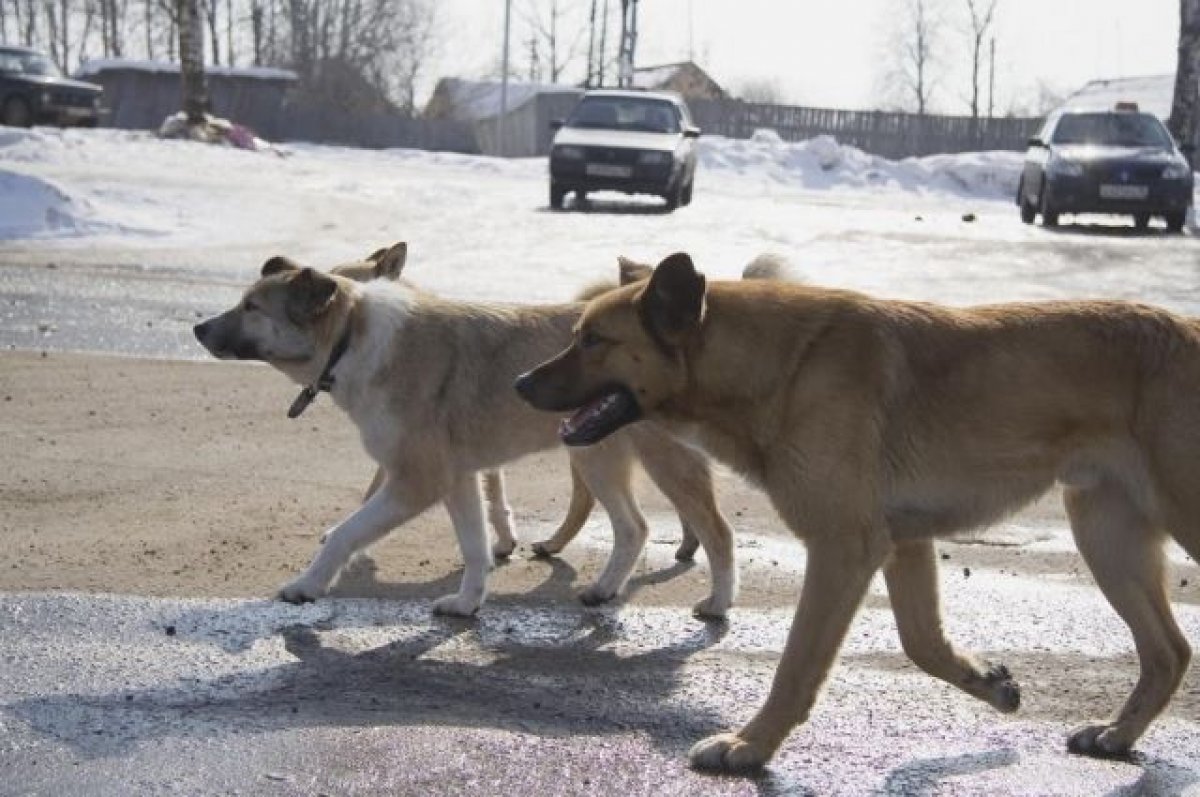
(589,340)
(250,307)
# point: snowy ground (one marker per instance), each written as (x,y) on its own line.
(117,242)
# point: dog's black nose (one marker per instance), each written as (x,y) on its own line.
(524,386)
(201,330)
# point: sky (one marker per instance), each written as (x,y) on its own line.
(835,54)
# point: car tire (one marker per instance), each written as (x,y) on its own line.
(557,194)
(1175,220)
(1049,214)
(1141,220)
(685,197)
(674,197)
(16,113)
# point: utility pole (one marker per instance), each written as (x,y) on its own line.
(603,46)
(628,43)
(591,69)
(992,79)
(502,122)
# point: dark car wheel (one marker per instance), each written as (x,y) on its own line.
(1175,220)
(1028,211)
(1141,220)
(17,113)
(1049,214)
(685,197)
(557,194)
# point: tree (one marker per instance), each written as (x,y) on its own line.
(981,12)
(191,60)
(911,67)
(548,42)
(1185,112)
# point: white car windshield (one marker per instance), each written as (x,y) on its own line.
(27,64)
(625,113)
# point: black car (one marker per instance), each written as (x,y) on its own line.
(636,142)
(1109,161)
(32,91)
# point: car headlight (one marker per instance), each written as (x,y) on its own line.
(568,153)
(654,158)
(1064,168)
(1176,171)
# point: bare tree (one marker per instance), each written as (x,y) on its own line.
(982,13)
(1185,106)
(209,7)
(765,91)
(558,34)
(911,68)
(191,60)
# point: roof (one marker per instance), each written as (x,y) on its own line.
(95,66)
(1152,93)
(673,96)
(480,99)
(16,48)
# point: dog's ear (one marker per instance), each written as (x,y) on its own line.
(672,303)
(309,294)
(391,262)
(376,255)
(278,265)
(631,271)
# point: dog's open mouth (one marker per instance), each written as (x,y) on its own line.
(613,408)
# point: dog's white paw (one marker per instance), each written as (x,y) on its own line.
(1099,741)
(458,605)
(713,607)
(301,590)
(502,549)
(597,594)
(726,752)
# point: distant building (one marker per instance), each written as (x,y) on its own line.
(472,100)
(684,77)
(1152,93)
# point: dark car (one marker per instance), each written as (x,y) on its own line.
(33,91)
(636,142)
(1108,161)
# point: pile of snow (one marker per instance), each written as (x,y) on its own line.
(823,163)
(32,207)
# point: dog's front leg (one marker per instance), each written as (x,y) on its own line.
(836,577)
(379,514)
(465,506)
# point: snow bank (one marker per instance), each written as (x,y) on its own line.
(31,207)
(823,163)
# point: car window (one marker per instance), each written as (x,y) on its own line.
(1112,129)
(625,113)
(27,64)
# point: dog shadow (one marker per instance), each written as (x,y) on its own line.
(447,673)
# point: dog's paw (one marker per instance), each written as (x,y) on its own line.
(300,591)
(457,605)
(1099,741)
(726,752)
(1004,693)
(712,608)
(502,549)
(596,595)
(544,550)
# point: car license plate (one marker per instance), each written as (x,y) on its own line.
(608,170)
(1124,191)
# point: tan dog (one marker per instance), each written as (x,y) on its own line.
(427,381)
(875,426)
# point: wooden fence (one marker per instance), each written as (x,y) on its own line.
(892,135)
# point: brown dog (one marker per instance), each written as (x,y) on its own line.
(875,426)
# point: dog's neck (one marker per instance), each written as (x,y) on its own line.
(325,380)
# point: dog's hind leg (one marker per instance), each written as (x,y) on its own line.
(1125,554)
(685,478)
(465,506)
(608,472)
(582,502)
(499,513)
(385,509)
(912,584)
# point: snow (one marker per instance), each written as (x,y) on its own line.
(480,99)
(94,66)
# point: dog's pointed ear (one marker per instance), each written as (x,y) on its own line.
(391,262)
(632,271)
(375,256)
(672,303)
(309,294)
(278,265)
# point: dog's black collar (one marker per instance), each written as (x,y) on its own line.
(324,381)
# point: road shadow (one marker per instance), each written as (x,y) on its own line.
(923,776)
(612,207)
(1109,230)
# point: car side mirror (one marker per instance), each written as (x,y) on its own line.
(1036,142)
(691,132)
(556,124)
